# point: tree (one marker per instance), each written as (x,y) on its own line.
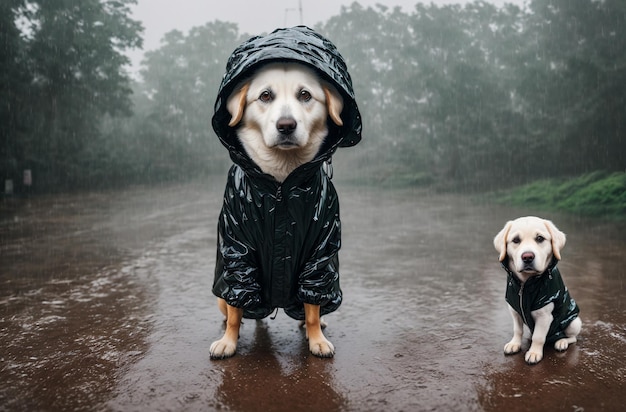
(14,86)
(180,82)
(576,83)
(77,63)
(370,40)
(431,84)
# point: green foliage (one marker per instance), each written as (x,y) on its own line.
(596,194)
(575,82)
(175,100)
(71,53)
(170,135)
(436,87)
(471,97)
(14,87)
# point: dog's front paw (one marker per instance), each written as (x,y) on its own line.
(222,349)
(512,347)
(561,345)
(322,348)
(533,357)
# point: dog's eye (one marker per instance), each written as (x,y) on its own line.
(539,239)
(266,96)
(516,240)
(304,95)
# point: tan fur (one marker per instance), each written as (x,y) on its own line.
(334,104)
(236,104)
(544,240)
(278,154)
(227,345)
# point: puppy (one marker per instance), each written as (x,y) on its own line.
(281,118)
(530,248)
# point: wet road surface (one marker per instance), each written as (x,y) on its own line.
(105,304)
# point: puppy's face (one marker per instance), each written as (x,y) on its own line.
(530,243)
(283,108)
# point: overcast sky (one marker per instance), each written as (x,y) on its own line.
(252,16)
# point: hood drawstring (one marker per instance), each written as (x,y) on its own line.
(327,167)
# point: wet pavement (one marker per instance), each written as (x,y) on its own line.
(105,304)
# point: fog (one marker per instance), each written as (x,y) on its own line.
(473,114)
(452,95)
(161,16)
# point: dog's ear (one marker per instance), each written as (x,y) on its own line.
(236,104)
(558,238)
(499,242)
(334,104)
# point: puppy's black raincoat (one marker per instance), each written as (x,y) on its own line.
(537,292)
(278,243)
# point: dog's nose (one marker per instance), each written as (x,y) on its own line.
(528,257)
(286,125)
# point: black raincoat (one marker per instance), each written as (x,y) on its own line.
(278,243)
(539,291)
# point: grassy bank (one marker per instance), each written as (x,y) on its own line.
(598,194)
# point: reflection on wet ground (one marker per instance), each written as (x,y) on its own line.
(105,303)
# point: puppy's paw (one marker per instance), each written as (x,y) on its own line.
(512,347)
(533,357)
(561,345)
(322,348)
(222,349)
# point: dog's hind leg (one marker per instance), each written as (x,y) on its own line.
(227,346)
(572,331)
(318,344)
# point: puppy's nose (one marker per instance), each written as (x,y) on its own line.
(286,125)
(528,257)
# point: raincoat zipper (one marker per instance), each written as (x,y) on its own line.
(276,280)
(521,303)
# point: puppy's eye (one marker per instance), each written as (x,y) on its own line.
(516,240)
(539,239)
(266,96)
(304,95)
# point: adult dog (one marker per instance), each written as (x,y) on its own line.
(284,106)
(530,248)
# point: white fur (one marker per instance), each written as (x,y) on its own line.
(525,237)
(283,92)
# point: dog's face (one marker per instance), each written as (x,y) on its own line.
(530,243)
(281,114)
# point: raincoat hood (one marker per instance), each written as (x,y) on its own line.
(300,45)
(537,292)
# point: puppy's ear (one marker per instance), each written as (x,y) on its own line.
(499,242)
(558,238)
(236,104)
(334,104)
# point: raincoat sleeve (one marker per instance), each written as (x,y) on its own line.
(236,272)
(319,280)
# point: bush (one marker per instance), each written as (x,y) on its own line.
(594,194)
